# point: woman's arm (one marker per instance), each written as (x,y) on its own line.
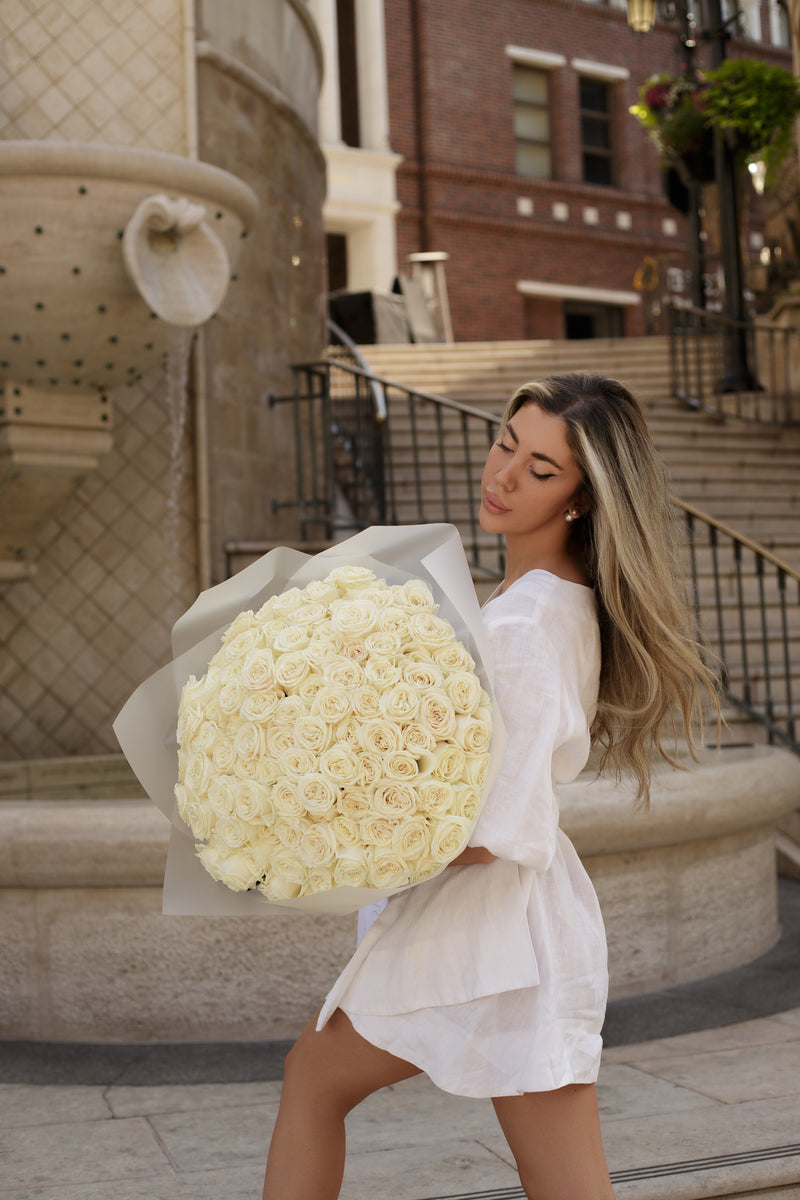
(473,855)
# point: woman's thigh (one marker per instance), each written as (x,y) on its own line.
(556,1142)
(337,1067)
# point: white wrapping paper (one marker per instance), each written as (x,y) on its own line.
(146,726)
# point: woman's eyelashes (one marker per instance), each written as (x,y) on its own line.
(535,474)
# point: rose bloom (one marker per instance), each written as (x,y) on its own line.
(317,846)
(266,771)
(197,772)
(320,879)
(353,802)
(436,714)
(417,740)
(423,676)
(309,613)
(291,639)
(205,737)
(332,704)
(233,833)
(346,733)
(340,764)
(319,651)
(430,631)
(190,718)
(369,767)
(467,801)
(296,762)
(246,768)
(411,839)
(279,739)
(201,819)
(400,703)
(252,802)
(321,591)
(259,706)
(242,644)
(379,736)
(258,671)
(366,701)
(231,696)
(465,691)
(349,578)
(376,830)
(312,733)
(241,623)
(400,765)
(224,754)
(454,657)
(382,673)
(277,888)
(392,799)
(450,764)
(222,795)
(383,644)
(377,593)
(289,708)
(343,672)
(289,831)
(239,871)
(317,794)
(250,740)
(286,603)
(396,620)
(435,797)
(352,648)
(417,596)
(388,869)
(290,671)
(285,800)
(285,862)
(345,830)
(449,838)
(476,769)
(473,735)
(309,688)
(350,867)
(353,618)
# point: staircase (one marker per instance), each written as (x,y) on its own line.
(745,475)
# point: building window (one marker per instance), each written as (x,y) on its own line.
(532,122)
(595,102)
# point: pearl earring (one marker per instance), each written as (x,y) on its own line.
(569,517)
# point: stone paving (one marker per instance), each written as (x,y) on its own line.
(703,1114)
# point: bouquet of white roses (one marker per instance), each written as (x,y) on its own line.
(333,740)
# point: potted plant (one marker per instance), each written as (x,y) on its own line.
(753,103)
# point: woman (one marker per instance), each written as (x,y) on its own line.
(491,978)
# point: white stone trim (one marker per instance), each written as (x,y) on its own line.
(545,59)
(596,70)
(571,291)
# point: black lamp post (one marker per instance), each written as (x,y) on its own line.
(738,376)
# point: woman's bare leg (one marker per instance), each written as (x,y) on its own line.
(556,1142)
(327,1074)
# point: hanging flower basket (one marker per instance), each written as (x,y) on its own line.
(753,103)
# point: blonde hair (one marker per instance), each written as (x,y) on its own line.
(652,675)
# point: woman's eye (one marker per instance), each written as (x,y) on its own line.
(503,446)
(536,475)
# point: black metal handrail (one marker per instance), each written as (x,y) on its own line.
(429,459)
(699,355)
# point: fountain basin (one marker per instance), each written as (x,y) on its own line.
(71,318)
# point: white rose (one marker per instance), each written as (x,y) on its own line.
(369,768)
(430,631)
(249,741)
(353,803)
(383,644)
(238,870)
(259,706)
(465,691)
(392,799)
(309,613)
(288,709)
(197,772)
(285,863)
(201,820)
(285,603)
(379,736)
(242,644)
(388,869)
(343,672)
(454,657)
(351,867)
(332,704)
(396,620)
(351,579)
(252,802)
(417,596)
(417,740)
(258,671)
(472,735)
(290,670)
(353,648)
(222,795)
(224,754)
(190,718)
(411,839)
(317,794)
(291,639)
(289,831)
(231,697)
(467,801)
(312,733)
(296,762)
(353,618)
(376,830)
(345,830)
(277,888)
(400,765)
(317,846)
(205,737)
(346,732)
(285,800)
(422,675)
(400,703)
(279,739)
(240,624)
(449,838)
(366,701)
(320,879)
(382,673)
(476,769)
(445,762)
(340,764)
(436,714)
(321,591)
(435,797)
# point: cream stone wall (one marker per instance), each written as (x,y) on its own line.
(94,71)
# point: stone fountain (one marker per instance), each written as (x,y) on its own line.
(106,249)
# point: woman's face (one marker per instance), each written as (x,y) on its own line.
(531,478)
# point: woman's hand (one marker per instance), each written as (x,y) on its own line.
(473,855)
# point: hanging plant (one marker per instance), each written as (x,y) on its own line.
(754,103)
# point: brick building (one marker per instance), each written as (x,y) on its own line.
(502,137)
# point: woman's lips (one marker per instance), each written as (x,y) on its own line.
(493,504)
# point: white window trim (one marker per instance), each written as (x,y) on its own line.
(567,291)
(546,60)
(596,70)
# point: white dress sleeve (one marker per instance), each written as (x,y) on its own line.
(541,697)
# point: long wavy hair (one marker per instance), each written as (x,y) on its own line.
(653,680)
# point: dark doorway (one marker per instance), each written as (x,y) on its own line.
(593,320)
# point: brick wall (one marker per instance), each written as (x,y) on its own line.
(450,95)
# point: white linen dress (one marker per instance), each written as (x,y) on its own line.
(492,977)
